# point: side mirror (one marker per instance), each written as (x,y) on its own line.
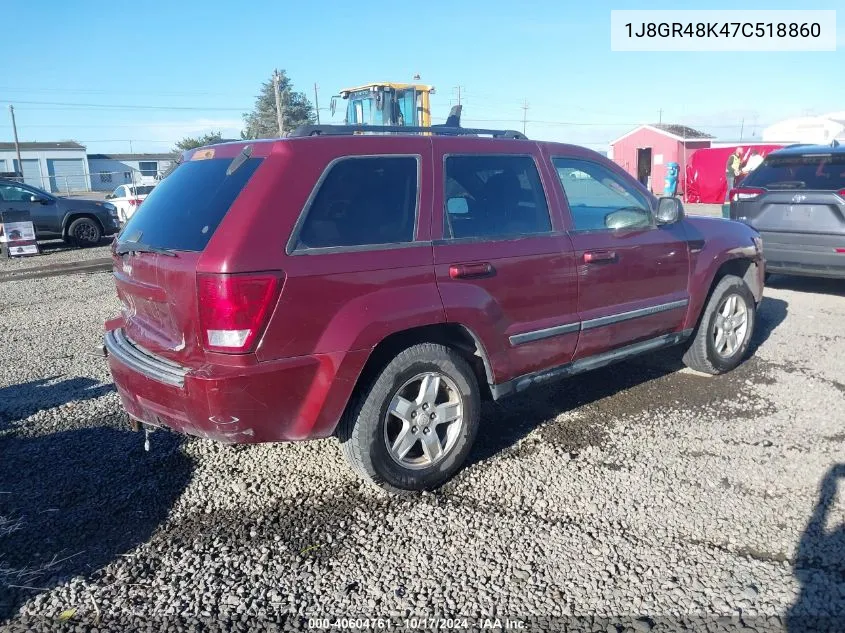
(109,196)
(457,206)
(333,105)
(669,210)
(629,218)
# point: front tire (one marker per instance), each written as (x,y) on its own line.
(725,328)
(85,232)
(414,425)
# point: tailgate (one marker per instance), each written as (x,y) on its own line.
(820,212)
(157,281)
(159,302)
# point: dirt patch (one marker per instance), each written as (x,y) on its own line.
(646,386)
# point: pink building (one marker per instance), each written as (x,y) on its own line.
(644,152)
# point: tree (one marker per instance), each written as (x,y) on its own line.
(190,142)
(296,110)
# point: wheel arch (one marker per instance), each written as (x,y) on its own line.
(740,266)
(452,335)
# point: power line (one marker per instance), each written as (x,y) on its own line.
(118,106)
(111,92)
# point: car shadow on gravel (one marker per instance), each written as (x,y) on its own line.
(811,285)
(628,388)
(60,246)
(20,401)
(819,565)
(73,501)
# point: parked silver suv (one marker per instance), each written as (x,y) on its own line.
(796,200)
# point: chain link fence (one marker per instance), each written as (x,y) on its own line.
(105,181)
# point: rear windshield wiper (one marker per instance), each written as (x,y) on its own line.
(138,247)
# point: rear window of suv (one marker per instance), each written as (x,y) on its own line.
(182,212)
(362,201)
(819,172)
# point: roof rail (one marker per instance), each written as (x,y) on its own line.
(439,130)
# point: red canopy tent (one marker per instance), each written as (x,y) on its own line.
(705,177)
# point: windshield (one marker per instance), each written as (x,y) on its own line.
(398,108)
(825,173)
(183,211)
(362,109)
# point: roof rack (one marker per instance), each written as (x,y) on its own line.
(349,130)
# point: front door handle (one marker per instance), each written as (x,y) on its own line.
(471,271)
(594,257)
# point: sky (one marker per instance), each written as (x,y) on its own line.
(140,80)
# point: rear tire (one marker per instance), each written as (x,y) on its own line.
(85,232)
(414,425)
(725,328)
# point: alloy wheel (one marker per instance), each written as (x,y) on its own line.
(424,421)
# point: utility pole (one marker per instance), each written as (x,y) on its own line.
(660,116)
(316,103)
(741,129)
(277,80)
(17,145)
(524,114)
(458,88)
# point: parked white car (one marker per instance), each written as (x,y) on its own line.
(127,199)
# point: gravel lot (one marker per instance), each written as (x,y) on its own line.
(637,491)
(55,252)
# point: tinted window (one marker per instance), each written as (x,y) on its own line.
(599,199)
(142,190)
(11,193)
(148,168)
(799,172)
(494,196)
(184,210)
(363,201)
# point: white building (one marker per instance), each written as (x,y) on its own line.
(109,171)
(811,129)
(59,167)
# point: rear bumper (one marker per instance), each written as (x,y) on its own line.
(291,399)
(804,254)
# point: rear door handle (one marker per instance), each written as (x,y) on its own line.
(471,271)
(594,257)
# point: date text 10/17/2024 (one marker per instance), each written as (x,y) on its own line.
(421,624)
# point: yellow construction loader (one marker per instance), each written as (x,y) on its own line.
(387,104)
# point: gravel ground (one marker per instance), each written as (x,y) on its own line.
(54,252)
(638,497)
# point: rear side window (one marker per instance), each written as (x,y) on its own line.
(494,196)
(183,210)
(826,173)
(362,201)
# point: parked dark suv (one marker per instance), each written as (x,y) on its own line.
(796,199)
(83,222)
(378,287)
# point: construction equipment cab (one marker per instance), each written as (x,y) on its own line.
(393,104)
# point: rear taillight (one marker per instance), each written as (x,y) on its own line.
(841,192)
(134,202)
(234,310)
(744,193)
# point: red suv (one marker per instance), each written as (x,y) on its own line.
(378,287)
